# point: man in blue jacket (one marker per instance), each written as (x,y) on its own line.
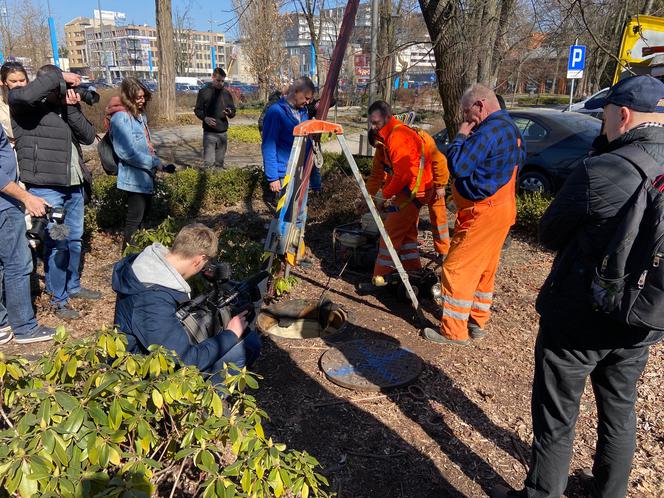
(152,285)
(280,120)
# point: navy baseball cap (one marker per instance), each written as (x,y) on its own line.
(639,93)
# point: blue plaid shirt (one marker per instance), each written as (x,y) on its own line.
(482,162)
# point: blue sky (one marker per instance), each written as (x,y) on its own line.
(143,12)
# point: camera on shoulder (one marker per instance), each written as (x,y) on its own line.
(208,314)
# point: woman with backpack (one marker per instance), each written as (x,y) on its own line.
(137,163)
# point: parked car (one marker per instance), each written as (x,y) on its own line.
(556,143)
(579,106)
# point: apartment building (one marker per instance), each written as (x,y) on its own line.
(130,49)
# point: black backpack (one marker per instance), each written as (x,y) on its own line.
(107,156)
(629,282)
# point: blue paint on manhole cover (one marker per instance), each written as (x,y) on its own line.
(370,365)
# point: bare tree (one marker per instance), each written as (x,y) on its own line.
(313,12)
(184,38)
(165,45)
(262,29)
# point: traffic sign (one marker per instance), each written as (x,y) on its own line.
(576,61)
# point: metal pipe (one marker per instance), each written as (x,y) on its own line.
(372,63)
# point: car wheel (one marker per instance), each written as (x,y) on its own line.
(535,181)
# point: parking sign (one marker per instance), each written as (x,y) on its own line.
(576,61)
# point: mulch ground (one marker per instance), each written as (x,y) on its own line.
(461,428)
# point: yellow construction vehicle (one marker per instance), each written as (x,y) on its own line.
(641,48)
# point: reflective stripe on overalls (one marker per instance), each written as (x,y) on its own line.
(469,271)
(401,226)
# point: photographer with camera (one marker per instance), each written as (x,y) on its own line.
(49,129)
(127,124)
(152,286)
(17,318)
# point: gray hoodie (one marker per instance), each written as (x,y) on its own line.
(152,268)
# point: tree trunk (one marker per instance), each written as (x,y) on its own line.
(165,45)
(444,26)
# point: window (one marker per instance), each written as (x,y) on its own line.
(530,129)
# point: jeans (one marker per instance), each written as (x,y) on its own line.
(62,258)
(243,354)
(214,148)
(138,207)
(15,271)
(560,377)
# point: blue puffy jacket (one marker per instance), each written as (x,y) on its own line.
(278,124)
(136,166)
(146,314)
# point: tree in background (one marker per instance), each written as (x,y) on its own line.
(262,29)
(166,47)
(24,32)
(184,40)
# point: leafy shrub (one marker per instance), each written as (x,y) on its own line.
(89,419)
(334,161)
(164,233)
(530,208)
(244,133)
(240,251)
(182,194)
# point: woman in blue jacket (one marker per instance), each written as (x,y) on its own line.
(137,162)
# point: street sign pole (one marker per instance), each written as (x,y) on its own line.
(571,92)
(575,65)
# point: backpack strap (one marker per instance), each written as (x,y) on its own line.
(643,162)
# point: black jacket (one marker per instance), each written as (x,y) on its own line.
(579,224)
(210,103)
(44,132)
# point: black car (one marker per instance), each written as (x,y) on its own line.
(556,142)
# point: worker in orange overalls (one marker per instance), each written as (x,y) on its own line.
(403,168)
(437,212)
(483,165)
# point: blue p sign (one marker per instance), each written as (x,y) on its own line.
(577,58)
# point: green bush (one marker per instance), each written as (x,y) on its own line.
(90,420)
(334,161)
(238,249)
(530,208)
(182,194)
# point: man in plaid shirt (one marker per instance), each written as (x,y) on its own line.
(483,160)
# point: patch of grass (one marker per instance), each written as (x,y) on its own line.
(244,133)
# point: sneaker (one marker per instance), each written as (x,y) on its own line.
(475,331)
(38,334)
(66,312)
(6,334)
(438,338)
(87,294)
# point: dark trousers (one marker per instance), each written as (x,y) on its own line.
(138,207)
(560,377)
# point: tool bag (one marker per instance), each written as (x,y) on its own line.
(628,285)
(107,156)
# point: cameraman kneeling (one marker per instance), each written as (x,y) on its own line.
(151,285)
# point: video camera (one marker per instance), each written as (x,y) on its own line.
(38,224)
(87,93)
(208,314)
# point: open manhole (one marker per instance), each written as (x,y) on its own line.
(370,365)
(302,319)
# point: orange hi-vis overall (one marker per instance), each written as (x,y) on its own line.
(441,175)
(469,271)
(437,211)
(408,180)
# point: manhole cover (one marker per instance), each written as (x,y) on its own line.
(366,365)
(302,319)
